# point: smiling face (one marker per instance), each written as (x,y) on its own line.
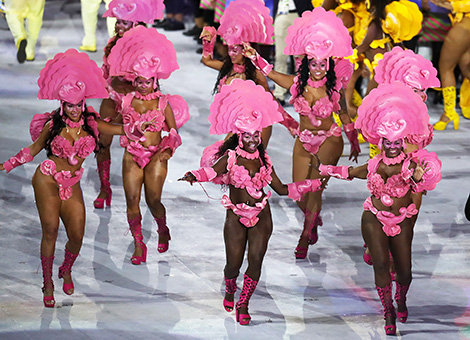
(122,26)
(144,85)
(392,149)
(318,68)
(73,111)
(251,141)
(235,53)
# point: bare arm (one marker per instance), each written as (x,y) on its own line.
(217,169)
(108,128)
(370,36)
(358,171)
(277,185)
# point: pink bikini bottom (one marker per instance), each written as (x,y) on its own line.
(312,142)
(141,154)
(389,220)
(248,214)
(63,178)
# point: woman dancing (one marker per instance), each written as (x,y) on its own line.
(145,56)
(244,109)
(316,93)
(455,51)
(69,134)
(243,22)
(129,14)
(388,117)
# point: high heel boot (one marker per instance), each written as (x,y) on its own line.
(449,94)
(66,269)
(311,223)
(230,288)
(400,298)
(103,171)
(465,98)
(47,263)
(249,286)
(135,226)
(162,231)
(385,294)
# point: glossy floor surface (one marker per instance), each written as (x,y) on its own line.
(178,294)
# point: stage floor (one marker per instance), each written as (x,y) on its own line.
(178,294)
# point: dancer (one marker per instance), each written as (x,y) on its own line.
(69,134)
(145,56)
(243,22)
(89,11)
(316,94)
(244,109)
(129,14)
(389,116)
(455,51)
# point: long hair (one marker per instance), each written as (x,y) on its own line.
(58,124)
(378,14)
(227,67)
(304,74)
(232,143)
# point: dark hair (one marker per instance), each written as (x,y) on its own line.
(232,143)
(304,73)
(115,38)
(227,67)
(58,124)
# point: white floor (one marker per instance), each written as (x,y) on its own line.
(178,295)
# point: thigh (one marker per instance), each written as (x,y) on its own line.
(154,177)
(72,213)
(377,241)
(259,235)
(331,149)
(48,202)
(456,43)
(400,245)
(132,177)
(301,162)
(36,7)
(235,238)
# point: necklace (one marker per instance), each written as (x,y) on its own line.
(316,83)
(394,160)
(246,154)
(73,125)
(239,68)
(149,96)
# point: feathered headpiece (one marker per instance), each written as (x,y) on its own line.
(406,67)
(402,21)
(143,52)
(392,111)
(242,106)
(318,34)
(71,77)
(246,21)
(136,10)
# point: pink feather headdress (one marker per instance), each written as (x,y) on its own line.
(392,111)
(318,34)
(406,67)
(143,52)
(246,21)
(71,77)
(242,106)
(136,10)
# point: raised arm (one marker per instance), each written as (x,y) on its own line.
(349,129)
(208,36)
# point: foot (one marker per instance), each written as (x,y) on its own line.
(390,326)
(48,298)
(242,315)
(103,197)
(163,242)
(229,302)
(88,48)
(21,54)
(302,248)
(68,284)
(138,251)
(402,313)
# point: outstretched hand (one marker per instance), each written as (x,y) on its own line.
(353,156)
(420,170)
(188,177)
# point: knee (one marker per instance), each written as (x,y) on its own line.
(132,202)
(154,203)
(49,233)
(255,262)
(76,237)
(381,267)
(231,270)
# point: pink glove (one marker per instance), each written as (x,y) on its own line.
(290,123)
(261,64)
(172,141)
(298,189)
(352,134)
(208,46)
(24,156)
(341,172)
(204,174)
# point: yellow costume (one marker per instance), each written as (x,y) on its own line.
(90,19)
(361,19)
(16,13)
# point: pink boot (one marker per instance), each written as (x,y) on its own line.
(400,298)
(66,269)
(249,286)
(230,288)
(135,226)
(103,171)
(47,263)
(162,231)
(385,295)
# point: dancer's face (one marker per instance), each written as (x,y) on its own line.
(421,93)
(122,26)
(73,111)
(144,85)
(392,149)
(251,141)
(235,53)
(318,68)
